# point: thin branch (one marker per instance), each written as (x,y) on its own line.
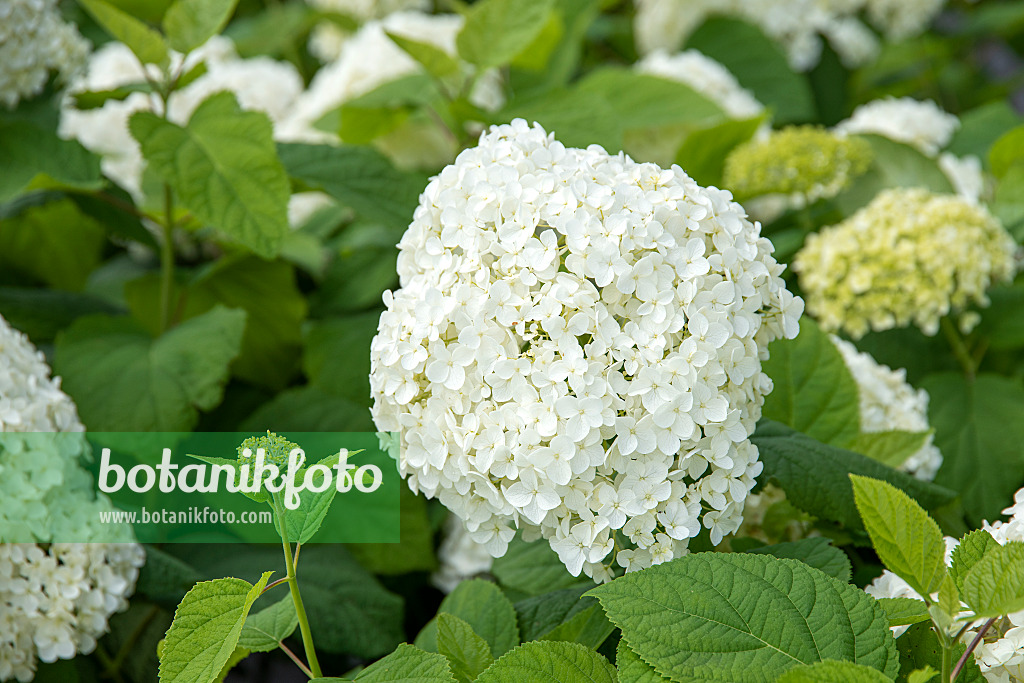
(295,658)
(971,648)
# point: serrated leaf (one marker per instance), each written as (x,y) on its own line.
(206,628)
(544,662)
(532,568)
(741,617)
(190,23)
(979,431)
(994,586)
(224,168)
(408,664)
(359,177)
(304,521)
(815,475)
(907,540)
(904,611)
(919,648)
(147,43)
(468,653)
(237,655)
(814,393)
(814,552)
(33,158)
(483,606)
(831,671)
(632,669)
(124,381)
(968,552)
(563,615)
(495,31)
(264,630)
(890,448)
(436,61)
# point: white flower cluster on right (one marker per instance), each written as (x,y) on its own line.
(54,599)
(35,41)
(576,350)
(1000,654)
(797,25)
(909,257)
(888,402)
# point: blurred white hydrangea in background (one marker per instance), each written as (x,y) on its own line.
(54,599)
(1000,655)
(259,83)
(924,126)
(34,42)
(328,38)
(908,257)
(797,25)
(576,350)
(370,59)
(889,403)
(459,558)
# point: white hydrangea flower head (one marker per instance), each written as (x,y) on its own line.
(921,124)
(909,257)
(259,84)
(575,350)
(54,600)
(1000,655)
(460,557)
(888,403)
(797,25)
(370,59)
(34,42)
(328,38)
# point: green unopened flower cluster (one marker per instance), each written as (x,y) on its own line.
(805,163)
(276,449)
(908,257)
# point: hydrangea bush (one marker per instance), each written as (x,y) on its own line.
(554,254)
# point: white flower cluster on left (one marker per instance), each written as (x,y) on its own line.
(576,350)
(54,600)
(35,41)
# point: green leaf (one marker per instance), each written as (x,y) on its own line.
(237,655)
(416,550)
(564,615)
(94,99)
(483,606)
(266,290)
(759,64)
(831,671)
(740,617)
(919,648)
(206,628)
(436,61)
(922,675)
(968,552)
(907,540)
(224,168)
(814,391)
(814,552)
(815,476)
(1007,151)
(359,177)
(545,662)
(497,30)
(147,43)
(632,669)
(1002,322)
(337,355)
(979,431)
(54,243)
(304,521)
(408,664)
(702,154)
(904,611)
(948,605)
(994,586)
(578,118)
(644,101)
(982,126)
(34,158)
(532,568)
(468,653)
(1008,206)
(123,380)
(190,23)
(264,630)
(309,409)
(894,165)
(889,448)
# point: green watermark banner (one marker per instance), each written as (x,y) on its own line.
(203,487)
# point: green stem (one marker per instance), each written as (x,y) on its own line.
(167,260)
(947,662)
(293,585)
(960,350)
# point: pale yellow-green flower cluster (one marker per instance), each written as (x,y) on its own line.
(908,257)
(803,163)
